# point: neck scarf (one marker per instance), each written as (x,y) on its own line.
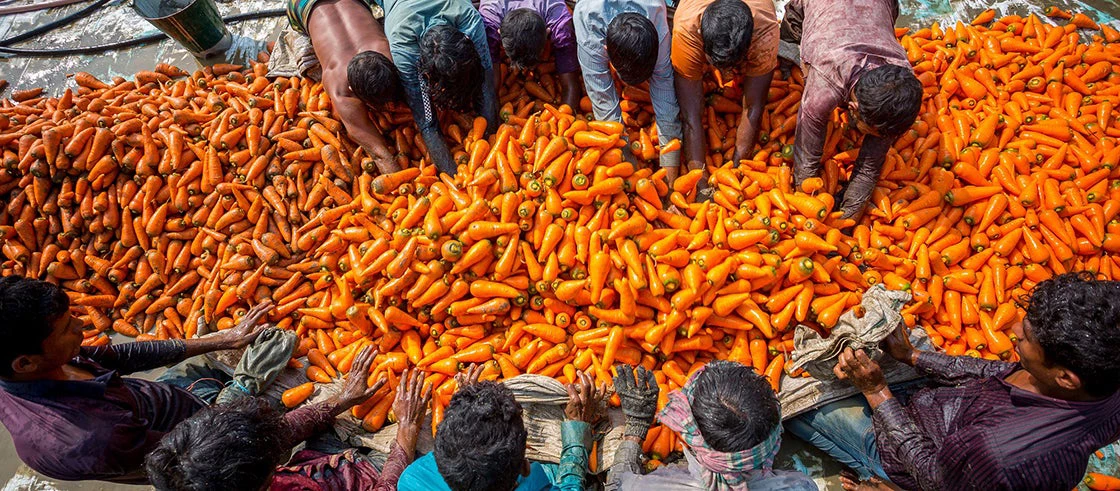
(720,471)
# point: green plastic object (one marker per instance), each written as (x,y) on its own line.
(194,24)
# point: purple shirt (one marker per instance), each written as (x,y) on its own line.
(840,41)
(102,428)
(312,470)
(980,432)
(556,16)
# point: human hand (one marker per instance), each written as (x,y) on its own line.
(410,406)
(247,329)
(638,393)
(863,372)
(355,390)
(897,344)
(463,379)
(584,399)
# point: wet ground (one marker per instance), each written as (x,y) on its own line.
(117,21)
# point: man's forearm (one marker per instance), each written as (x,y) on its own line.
(206,344)
(627,460)
(954,370)
(575,438)
(489,102)
(437,150)
(569,84)
(898,436)
(134,357)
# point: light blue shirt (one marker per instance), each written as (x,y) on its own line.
(591,18)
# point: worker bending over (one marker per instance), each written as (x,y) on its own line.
(633,37)
(440,48)
(524,28)
(854,61)
(358,74)
(740,39)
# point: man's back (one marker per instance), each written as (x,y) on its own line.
(340,29)
(846,38)
(989,434)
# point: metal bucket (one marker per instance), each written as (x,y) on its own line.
(194,24)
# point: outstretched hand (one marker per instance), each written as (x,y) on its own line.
(469,377)
(355,390)
(410,406)
(638,392)
(584,399)
(248,328)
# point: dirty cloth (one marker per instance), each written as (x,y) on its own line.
(818,355)
(259,366)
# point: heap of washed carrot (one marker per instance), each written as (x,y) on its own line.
(168,204)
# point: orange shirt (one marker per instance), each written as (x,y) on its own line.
(688,46)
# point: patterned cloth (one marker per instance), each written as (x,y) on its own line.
(722,471)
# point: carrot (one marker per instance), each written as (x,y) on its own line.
(296,395)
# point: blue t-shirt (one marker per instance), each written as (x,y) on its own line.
(423,475)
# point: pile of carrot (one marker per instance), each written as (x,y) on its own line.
(168,204)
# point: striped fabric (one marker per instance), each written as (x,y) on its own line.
(982,433)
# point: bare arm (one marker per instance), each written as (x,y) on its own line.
(569,84)
(352,112)
(490,101)
(690,95)
(754,101)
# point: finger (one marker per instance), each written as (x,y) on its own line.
(572,395)
(404,376)
(417,383)
(863,359)
(839,372)
(378,384)
(584,388)
(426,396)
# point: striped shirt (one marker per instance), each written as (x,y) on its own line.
(977,431)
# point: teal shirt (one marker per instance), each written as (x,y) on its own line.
(406,21)
(423,475)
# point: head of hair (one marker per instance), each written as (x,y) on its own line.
(734,407)
(480,445)
(726,29)
(29,308)
(632,47)
(890,98)
(374,79)
(231,446)
(524,35)
(1075,319)
(452,68)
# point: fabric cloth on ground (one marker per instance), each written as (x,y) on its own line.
(685,475)
(688,56)
(840,40)
(817,355)
(101,428)
(881,316)
(556,16)
(260,364)
(591,19)
(199,376)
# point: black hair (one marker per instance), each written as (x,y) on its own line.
(1075,318)
(735,408)
(230,446)
(726,29)
(452,68)
(374,79)
(632,47)
(28,308)
(890,98)
(524,35)
(480,445)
